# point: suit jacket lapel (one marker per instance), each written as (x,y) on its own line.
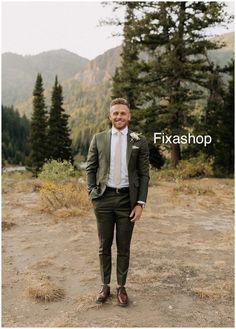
(108,146)
(129,147)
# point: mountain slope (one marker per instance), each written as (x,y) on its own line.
(101,68)
(19,72)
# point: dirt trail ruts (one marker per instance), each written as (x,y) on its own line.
(181,269)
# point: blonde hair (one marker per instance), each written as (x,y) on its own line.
(119,101)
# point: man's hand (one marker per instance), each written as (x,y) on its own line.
(136,213)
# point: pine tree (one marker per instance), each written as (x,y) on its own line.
(222,127)
(175,72)
(125,80)
(59,141)
(38,127)
(228,118)
(218,119)
(127,84)
(15,133)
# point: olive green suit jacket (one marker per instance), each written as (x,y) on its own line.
(98,164)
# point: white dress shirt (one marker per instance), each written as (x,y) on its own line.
(124,171)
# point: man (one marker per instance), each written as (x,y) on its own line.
(118,175)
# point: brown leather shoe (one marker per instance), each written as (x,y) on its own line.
(103,294)
(122,297)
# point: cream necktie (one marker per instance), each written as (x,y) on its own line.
(117,168)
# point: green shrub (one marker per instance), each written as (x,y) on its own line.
(55,170)
(193,168)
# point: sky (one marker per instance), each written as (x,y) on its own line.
(31,27)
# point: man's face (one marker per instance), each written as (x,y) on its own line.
(119,116)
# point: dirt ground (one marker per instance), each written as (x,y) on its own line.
(181,269)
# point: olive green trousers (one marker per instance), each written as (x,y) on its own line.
(112,211)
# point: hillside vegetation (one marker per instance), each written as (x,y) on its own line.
(86,84)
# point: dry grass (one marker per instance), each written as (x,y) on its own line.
(25,186)
(164,274)
(7,224)
(193,189)
(63,213)
(144,278)
(66,323)
(42,289)
(17,182)
(21,186)
(228,237)
(65,199)
(41,264)
(87,302)
(215,291)
(184,255)
(185,278)
(17,175)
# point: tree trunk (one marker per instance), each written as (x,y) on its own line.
(175,155)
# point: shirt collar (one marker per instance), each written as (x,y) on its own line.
(123,131)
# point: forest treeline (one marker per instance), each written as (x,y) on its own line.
(45,137)
(171,82)
(15,134)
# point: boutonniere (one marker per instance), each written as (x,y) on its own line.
(135,136)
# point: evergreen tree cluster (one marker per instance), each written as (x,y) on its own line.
(220,120)
(49,133)
(15,133)
(166,71)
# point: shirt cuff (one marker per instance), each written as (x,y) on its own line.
(141,202)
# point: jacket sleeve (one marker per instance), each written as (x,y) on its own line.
(92,164)
(143,171)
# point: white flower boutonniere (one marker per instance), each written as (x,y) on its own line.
(135,136)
